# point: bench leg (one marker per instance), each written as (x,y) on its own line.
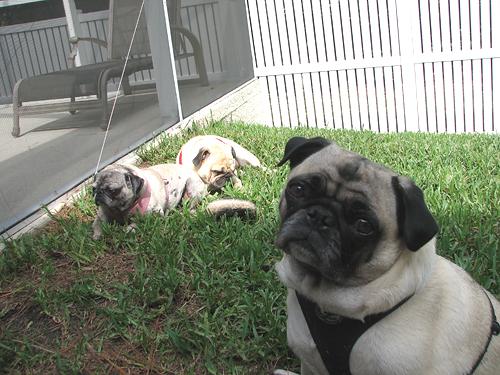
(72,101)
(16,130)
(104,114)
(103,84)
(15,108)
(126,86)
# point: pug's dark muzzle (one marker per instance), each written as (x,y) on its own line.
(312,235)
(315,225)
(219,182)
(99,198)
(102,199)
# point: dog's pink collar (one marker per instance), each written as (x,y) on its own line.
(179,161)
(141,204)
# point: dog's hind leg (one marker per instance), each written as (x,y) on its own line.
(195,191)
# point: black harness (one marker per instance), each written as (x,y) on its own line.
(335,335)
(495,330)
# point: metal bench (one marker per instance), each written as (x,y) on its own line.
(92,79)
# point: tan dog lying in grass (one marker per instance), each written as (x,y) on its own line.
(216,159)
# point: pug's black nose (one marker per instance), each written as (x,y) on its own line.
(319,216)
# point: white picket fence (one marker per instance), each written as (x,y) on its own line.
(382,65)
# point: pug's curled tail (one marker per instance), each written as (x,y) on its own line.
(232,207)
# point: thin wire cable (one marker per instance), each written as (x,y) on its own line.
(119,87)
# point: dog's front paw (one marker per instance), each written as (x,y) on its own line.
(268,171)
(131,228)
(282,372)
(97,231)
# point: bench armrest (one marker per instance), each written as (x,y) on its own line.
(74,40)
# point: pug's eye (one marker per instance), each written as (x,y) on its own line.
(114,191)
(296,191)
(363,226)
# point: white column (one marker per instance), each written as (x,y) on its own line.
(163,61)
(75,29)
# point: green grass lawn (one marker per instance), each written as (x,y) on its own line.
(186,294)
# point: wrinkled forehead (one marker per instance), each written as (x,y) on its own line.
(220,148)
(342,166)
(110,176)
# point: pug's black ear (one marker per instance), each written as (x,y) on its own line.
(136,183)
(203,153)
(298,149)
(415,221)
